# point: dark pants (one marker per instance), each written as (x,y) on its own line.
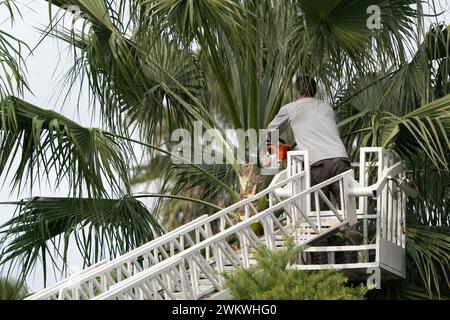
(322,171)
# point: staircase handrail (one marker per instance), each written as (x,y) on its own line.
(375,189)
(84,276)
(103,266)
(54,289)
(179,258)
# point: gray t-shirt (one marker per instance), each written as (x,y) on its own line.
(313,123)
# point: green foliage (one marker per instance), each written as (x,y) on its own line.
(431,207)
(45,143)
(12,61)
(404,109)
(156,65)
(428,263)
(41,224)
(271,280)
(11,290)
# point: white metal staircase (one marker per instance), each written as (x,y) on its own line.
(189,262)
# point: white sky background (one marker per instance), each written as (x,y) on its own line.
(45,70)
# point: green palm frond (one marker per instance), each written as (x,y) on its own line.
(335,40)
(251,73)
(138,76)
(427,128)
(403,89)
(168,73)
(101,228)
(342,21)
(12,290)
(186,191)
(427,265)
(43,142)
(151,171)
(423,79)
(177,181)
(188,178)
(436,45)
(189,16)
(12,62)
(431,207)
(428,258)
(221,184)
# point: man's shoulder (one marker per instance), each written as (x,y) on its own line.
(324,103)
(318,103)
(290,105)
(294,106)
(306,102)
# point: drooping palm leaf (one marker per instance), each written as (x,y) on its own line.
(189,17)
(428,129)
(11,290)
(101,228)
(400,109)
(334,41)
(12,62)
(428,258)
(41,142)
(187,181)
(151,171)
(431,207)
(135,75)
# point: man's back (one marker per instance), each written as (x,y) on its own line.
(314,126)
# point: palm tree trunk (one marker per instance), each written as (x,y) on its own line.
(252,182)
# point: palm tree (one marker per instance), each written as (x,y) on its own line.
(155,66)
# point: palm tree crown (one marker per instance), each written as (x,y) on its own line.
(155,66)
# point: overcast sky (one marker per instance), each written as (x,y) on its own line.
(45,70)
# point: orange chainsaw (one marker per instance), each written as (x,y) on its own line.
(278,154)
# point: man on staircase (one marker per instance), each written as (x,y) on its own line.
(313,123)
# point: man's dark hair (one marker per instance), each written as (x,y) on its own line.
(306,86)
